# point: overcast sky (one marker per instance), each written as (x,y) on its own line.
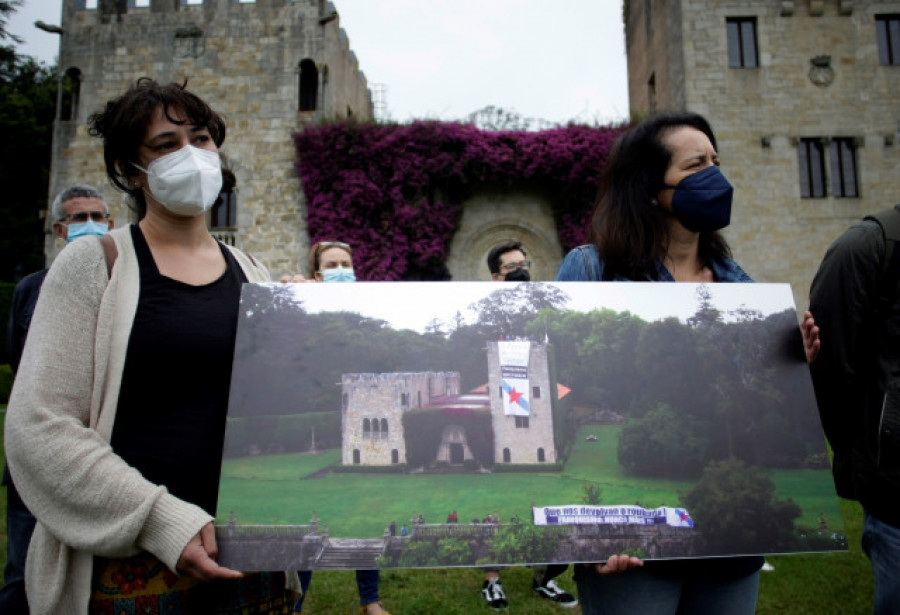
(426,301)
(443,59)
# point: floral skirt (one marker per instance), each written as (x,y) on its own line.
(144,585)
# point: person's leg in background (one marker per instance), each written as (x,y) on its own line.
(881,542)
(367,585)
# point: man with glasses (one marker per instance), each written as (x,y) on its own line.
(78,211)
(507,262)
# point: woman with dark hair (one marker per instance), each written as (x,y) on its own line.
(116,424)
(661,203)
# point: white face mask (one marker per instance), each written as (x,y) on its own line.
(186,182)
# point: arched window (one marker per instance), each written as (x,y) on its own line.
(395,456)
(71,95)
(367,427)
(309,85)
(356,459)
(376,426)
(384,426)
(541,455)
(506,456)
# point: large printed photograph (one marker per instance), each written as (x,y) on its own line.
(426,424)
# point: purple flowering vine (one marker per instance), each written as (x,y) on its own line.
(394,192)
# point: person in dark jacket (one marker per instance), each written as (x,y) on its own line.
(78,211)
(857,382)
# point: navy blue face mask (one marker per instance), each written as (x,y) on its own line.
(702,201)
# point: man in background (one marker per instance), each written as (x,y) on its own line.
(78,211)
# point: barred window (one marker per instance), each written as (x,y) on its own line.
(842,153)
(811,157)
(887,31)
(741,42)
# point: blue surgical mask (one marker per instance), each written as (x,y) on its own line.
(702,201)
(338,274)
(86,229)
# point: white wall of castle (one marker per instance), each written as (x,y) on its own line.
(523,443)
(245,65)
(759,113)
(385,396)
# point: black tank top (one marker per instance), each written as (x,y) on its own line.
(170,419)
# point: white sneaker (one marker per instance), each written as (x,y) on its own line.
(553,592)
(492,592)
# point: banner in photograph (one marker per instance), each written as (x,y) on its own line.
(514,377)
(580,514)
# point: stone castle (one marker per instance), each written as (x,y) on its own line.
(804,97)
(373,406)
(268,66)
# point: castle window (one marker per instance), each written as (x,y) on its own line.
(535,392)
(741,42)
(309,85)
(811,156)
(887,28)
(71,95)
(384,428)
(376,426)
(842,152)
(367,428)
(404,400)
(419,399)
(345,401)
(356,457)
(541,458)
(506,456)
(522,422)
(223,213)
(395,456)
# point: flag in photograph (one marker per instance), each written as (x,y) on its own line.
(514,377)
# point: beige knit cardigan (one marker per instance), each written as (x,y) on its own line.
(59,422)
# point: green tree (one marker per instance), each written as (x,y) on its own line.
(664,444)
(735,508)
(506,312)
(27,112)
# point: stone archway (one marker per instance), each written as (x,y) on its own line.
(494,216)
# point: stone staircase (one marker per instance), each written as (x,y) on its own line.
(349,554)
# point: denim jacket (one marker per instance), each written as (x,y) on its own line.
(584,264)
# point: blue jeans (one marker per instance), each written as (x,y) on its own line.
(366,585)
(881,542)
(638,591)
(19,526)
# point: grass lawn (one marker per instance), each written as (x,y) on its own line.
(800,584)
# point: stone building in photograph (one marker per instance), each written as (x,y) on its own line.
(268,66)
(373,405)
(803,97)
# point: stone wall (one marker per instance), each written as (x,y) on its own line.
(523,443)
(759,113)
(493,216)
(243,59)
(374,397)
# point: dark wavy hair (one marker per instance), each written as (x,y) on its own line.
(124,121)
(629,229)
